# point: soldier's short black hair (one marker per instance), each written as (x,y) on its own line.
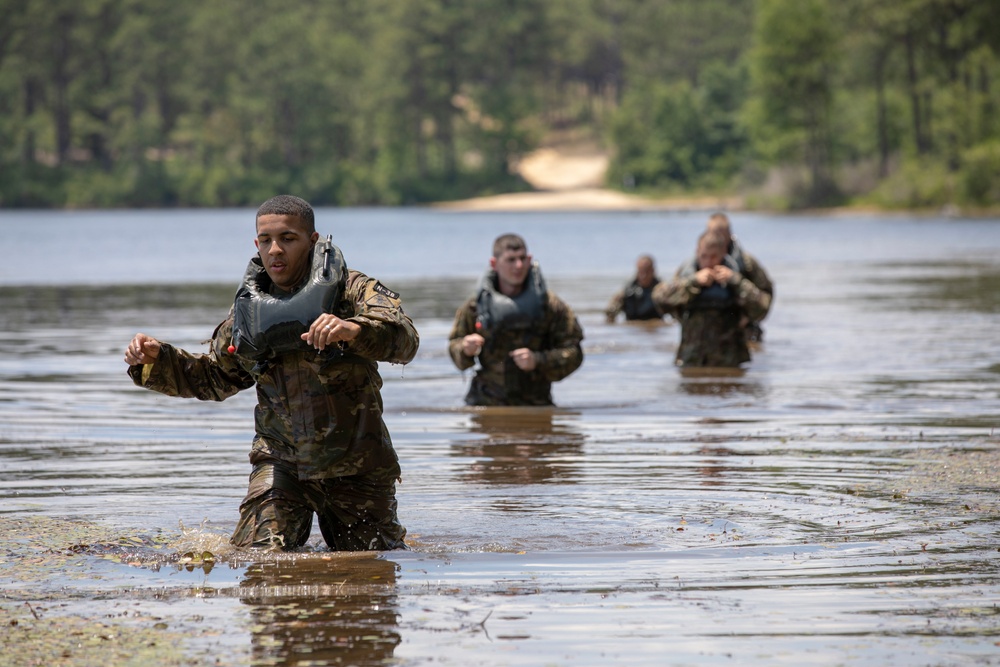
(289,205)
(507,242)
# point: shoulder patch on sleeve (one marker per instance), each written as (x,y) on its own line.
(382,289)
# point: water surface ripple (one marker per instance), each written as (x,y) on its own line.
(835,504)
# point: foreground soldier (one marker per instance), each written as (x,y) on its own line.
(636,299)
(748,266)
(308,332)
(712,300)
(524,336)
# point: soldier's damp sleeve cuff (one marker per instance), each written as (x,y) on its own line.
(135,372)
(142,373)
(152,373)
(361,339)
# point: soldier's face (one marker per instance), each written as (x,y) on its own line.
(644,273)
(284,245)
(709,257)
(512,268)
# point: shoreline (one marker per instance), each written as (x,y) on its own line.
(602,199)
(589,199)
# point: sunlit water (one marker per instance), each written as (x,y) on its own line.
(802,513)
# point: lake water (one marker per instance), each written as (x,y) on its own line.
(835,504)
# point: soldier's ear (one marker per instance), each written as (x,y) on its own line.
(493,263)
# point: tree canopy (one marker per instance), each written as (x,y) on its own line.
(382,102)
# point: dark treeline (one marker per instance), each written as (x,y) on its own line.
(354,102)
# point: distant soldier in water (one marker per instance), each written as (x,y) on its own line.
(749,267)
(712,301)
(523,335)
(636,298)
(308,333)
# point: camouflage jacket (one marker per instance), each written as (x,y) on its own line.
(711,333)
(754,272)
(635,301)
(319,410)
(498,381)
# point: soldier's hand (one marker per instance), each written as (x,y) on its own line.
(328,329)
(472,345)
(142,350)
(724,275)
(524,359)
(705,277)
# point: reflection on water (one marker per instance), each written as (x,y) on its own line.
(332,610)
(827,505)
(731,383)
(521,446)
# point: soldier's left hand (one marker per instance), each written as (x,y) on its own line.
(724,275)
(524,359)
(329,329)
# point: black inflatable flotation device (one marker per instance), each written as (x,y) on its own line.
(265,326)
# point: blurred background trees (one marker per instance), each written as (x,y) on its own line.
(380,102)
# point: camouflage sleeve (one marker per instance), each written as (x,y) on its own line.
(615,306)
(754,302)
(214,376)
(756,274)
(564,354)
(387,333)
(465,324)
(671,297)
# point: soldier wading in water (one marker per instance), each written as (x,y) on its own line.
(713,302)
(524,336)
(307,331)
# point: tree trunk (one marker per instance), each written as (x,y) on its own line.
(911,74)
(881,116)
(61,80)
(30,98)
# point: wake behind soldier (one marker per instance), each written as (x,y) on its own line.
(523,335)
(308,332)
(712,301)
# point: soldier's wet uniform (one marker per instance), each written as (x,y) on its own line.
(635,301)
(321,444)
(712,319)
(548,327)
(751,269)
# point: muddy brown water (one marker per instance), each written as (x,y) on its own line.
(834,504)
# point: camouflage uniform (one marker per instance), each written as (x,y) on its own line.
(754,272)
(321,445)
(555,339)
(635,301)
(711,331)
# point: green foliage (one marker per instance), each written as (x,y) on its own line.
(380,102)
(792,67)
(980,174)
(670,135)
(918,183)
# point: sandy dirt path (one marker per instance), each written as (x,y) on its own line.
(571,176)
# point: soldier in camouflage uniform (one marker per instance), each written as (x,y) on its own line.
(636,298)
(321,444)
(713,301)
(749,267)
(523,335)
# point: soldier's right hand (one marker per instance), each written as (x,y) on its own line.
(705,277)
(472,345)
(142,350)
